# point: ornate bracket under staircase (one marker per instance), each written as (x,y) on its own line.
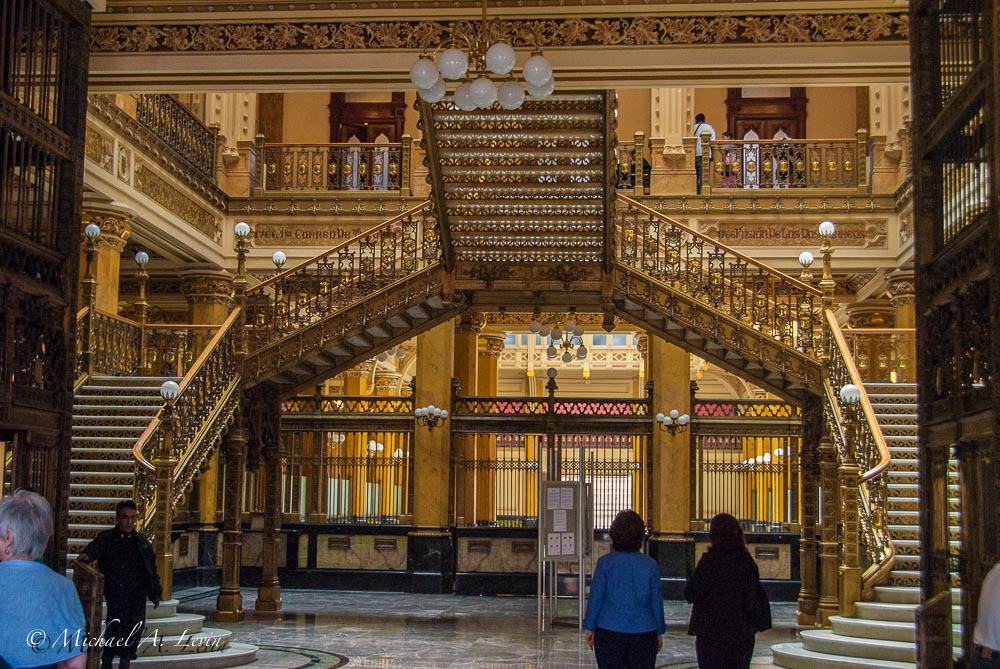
(715,302)
(344,306)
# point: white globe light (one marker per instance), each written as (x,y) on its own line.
(667,420)
(242,229)
(551,351)
(827,228)
(566,357)
(534,327)
(500,58)
(510,95)
(581,352)
(543,91)
(674,413)
(169,390)
(537,70)
(578,331)
(463,97)
(569,325)
(556,333)
(453,63)
(433,94)
(684,419)
(424,73)
(279,258)
(544,331)
(141,258)
(805,258)
(484,92)
(382,357)
(400,353)
(444,413)
(92,231)
(850,394)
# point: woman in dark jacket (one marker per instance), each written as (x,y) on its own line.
(730,605)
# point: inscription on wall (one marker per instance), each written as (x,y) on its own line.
(866,233)
(327,234)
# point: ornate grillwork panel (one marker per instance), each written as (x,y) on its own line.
(171,121)
(116,351)
(788,164)
(333,166)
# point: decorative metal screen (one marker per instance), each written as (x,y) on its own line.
(746,462)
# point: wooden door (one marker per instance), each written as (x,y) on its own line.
(766,115)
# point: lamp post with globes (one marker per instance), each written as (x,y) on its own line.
(849,475)
(164,462)
(142,309)
(92,232)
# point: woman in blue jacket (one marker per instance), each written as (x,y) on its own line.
(624,618)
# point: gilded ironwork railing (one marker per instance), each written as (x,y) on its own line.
(777,305)
(116,344)
(209,393)
(347,405)
(883,355)
(789,163)
(870,451)
(171,121)
(748,468)
(388,253)
(345,166)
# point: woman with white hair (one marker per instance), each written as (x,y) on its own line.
(43,623)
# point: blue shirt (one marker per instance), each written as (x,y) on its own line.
(625,595)
(43,621)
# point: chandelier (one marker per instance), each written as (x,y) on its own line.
(478,88)
(569,339)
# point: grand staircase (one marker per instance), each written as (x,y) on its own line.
(109,415)
(882,633)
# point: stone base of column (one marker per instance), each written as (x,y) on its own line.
(429,561)
(268,598)
(806,613)
(674,553)
(229,607)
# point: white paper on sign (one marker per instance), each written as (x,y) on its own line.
(559,520)
(552,499)
(554,544)
(568,543)
(567,498)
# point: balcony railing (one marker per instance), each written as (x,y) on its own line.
(171,121)
(883,355)
(337,167)
(787,163)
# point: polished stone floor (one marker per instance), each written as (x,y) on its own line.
(324,629)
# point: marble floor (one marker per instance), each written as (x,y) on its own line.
(324,629)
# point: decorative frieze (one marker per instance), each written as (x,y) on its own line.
(150,183)
(600,32)
(863,233)
(208,287)
(755,202)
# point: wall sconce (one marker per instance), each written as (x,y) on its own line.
(431,416)
(673,422)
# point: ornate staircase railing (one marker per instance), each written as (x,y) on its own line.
(205,403)
(336,309)
(715,302)
(858,438)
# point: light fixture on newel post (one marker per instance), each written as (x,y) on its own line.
(485,69)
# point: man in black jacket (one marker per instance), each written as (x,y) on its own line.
(126,559)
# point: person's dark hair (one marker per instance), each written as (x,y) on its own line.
(726,534)
(699,118)
(727,135)
(627,531)
(125,504)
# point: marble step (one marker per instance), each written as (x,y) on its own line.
(795,656)
(156,644)
(128,381)
(234,655)
(105,420)
(90,466)
(115,410)
(883,630)
(830,643)
(903,613)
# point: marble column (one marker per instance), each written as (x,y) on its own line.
(889,112)
(235,115)
(467,372)
(902,297)
(115,220)
(429,545)
(671,544)
(672,115)
(490,347)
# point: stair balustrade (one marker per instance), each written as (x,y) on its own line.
(859,439)
(337,167)
(207,400)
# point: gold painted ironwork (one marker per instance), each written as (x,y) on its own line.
(345,275)
(206,402)
(882,355)
(872,456)
(171,121)
(783,164)
(340,166)
(776,305)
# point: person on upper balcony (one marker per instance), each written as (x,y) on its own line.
(701,127)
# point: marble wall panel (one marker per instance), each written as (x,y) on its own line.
(361,552)
(188,557)
(253,549)
(773,560)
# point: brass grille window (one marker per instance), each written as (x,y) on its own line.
(964,176)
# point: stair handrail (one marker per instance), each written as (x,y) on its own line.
(873,457)
(343,274)
(783,294)
(205,403)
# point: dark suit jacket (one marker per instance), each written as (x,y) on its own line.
(728,597)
